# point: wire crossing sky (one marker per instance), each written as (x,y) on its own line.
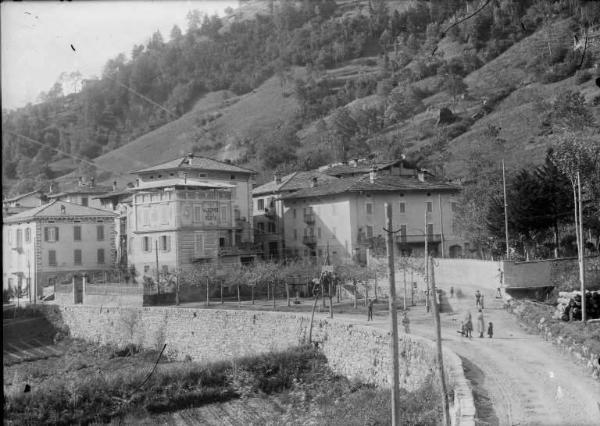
(41,40)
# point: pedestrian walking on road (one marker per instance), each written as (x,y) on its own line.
(370,310)
(406,322)
(480,323)
(477,298)
(468,326)
(490,330)
(481,301)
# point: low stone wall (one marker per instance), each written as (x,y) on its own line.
(561,273)
(358,352)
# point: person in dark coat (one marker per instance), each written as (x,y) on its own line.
(480,323)
(490,330)
(370,310)
(468,325)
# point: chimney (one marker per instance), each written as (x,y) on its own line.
(80,181)
(190,157)
(314,182)
(277,178)
(114,188)
(372,175)
(421,175)
(92,182)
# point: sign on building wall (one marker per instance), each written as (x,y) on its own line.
(210,213)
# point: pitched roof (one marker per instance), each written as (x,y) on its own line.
(18,197)
(189,183)
(198,163)
(385,183)
(53,209)
(360,167)
(76,188)
(293,182)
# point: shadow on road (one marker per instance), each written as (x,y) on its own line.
(484,408)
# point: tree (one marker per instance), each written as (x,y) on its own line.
(454,85)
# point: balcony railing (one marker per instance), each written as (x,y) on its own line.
(417,238)
(309,219)
(309,240)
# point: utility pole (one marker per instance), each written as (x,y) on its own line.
(426,264)
(393,317)
(157,272)
(505,210)
(441,225)
(581,253)
(438,338)
(404,273)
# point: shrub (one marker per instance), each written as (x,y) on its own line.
(581,76)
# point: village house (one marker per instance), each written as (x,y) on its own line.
(52,243)
(268,208)
(22,202)
(188,211)
(345,217)
(82,192)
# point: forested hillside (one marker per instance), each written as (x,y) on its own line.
(295,84)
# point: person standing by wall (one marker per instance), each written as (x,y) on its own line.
(370,310)
(468,325)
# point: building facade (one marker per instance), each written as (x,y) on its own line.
(52,243)
(83,192)
(174,224)
(22,202)
(345,218)
(269,209)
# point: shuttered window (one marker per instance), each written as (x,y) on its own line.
(100,256)
(77,257)
(77,233)
(50,233)
(52,257)
(165,243)
(198,243)
(100,232)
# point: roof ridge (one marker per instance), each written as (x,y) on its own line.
(291,176)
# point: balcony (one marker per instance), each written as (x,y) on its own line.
(309,219)
(309,240)
(417,238)
(270,213)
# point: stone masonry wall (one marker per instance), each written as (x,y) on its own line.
(358,352)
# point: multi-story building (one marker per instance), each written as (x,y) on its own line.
(49,244)
(174,223)
(82,192)
(268,209)
(209,170)
(347,216)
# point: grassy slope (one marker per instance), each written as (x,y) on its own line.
(242,120)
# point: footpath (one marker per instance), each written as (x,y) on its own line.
(517,377)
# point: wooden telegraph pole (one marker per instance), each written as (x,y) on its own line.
(393,317)
(505,211)
(426,264)
(581,251)
(157,271)
(438,339)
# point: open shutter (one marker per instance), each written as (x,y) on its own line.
(45,233)
(56,230)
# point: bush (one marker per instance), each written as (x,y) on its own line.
(581,76)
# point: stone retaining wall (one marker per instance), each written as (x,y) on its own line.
(358,352)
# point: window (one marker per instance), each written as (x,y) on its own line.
(77,233)
(223,214)
(146,216)
(261,227)
(165,243)
(84,201)
(198,214)
(369,208)
(146,268)
(100,256)
(429,206)
(261,204)
(221,242)
(295,234)
(198,243)
(402,207)
(19,238)
(403,233)
(77,257)
(10,236)
(27,235)
(51,233)
(52,257)
(271,227)
(100,232)
(146,246)
(232,177)
(369,231)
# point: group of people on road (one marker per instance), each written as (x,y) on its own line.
(467,324)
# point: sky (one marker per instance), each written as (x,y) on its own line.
(37,37)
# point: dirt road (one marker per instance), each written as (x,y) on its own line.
(518,378)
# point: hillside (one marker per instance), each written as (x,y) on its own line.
(300,84)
